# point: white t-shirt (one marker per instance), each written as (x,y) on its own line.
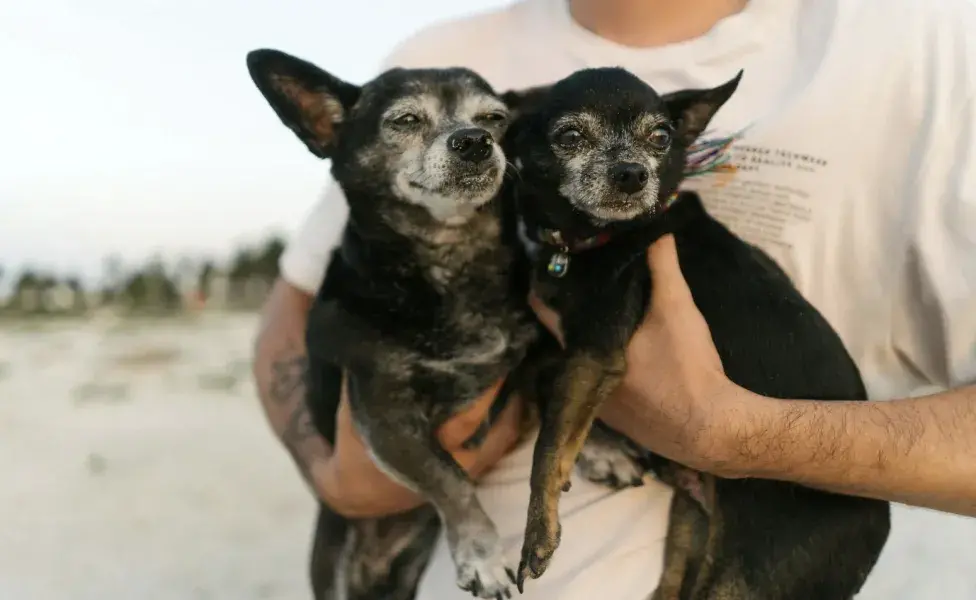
(857,174)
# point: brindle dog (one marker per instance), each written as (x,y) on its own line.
(423,307)
(599,155)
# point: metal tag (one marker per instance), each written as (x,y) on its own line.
(558,264)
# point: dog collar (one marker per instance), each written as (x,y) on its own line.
(558,264)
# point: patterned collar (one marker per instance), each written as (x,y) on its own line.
(559,261)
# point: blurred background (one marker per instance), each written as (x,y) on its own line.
(146,191)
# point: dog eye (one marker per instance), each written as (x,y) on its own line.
(660,138)
(569,138)
(492,117)
(406,120)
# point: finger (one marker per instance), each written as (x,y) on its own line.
(543,312)
(464,424)
(502,437)
(668,283)
(547,316)
(325,479)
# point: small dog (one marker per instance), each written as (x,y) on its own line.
(423,307)
(599,155)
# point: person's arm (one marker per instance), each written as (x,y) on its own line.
(918,451)
(279,367)
(677,401)
(347,480)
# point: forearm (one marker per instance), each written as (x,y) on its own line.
(280,366)
(918,451)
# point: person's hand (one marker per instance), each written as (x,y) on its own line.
(675,400)
(352,485)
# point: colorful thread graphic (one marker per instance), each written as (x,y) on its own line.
(711,155)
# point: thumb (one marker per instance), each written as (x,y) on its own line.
(668,286)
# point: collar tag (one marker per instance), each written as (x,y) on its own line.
(558,264)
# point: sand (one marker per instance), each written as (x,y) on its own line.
(135,464)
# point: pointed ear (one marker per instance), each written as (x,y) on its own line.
(311,102)
(692,110)
(520,102)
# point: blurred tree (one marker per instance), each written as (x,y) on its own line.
(28,291)
(241,265)
(28,280)
(113,278)
(269,255)
(151,289)
(205,278)
(79,300)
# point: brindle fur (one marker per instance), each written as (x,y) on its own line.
(743,539)
(422,308)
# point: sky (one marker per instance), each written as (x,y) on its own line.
(132,127)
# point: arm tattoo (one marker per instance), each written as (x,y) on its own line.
(287,390)
(288,379)
(297,435)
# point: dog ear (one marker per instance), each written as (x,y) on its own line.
(520,102)
(692,110)
(311,102)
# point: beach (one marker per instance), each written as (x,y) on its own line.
(135,463)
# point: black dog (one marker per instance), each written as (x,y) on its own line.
(599,155)
(423,307)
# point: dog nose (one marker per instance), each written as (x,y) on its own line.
(629,177)
(472,145)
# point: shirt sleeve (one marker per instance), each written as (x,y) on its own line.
(307,253)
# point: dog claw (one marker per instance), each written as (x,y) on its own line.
(540,543)
(474,587)
(482,576)
(520,580)
(531,567)
(511,574)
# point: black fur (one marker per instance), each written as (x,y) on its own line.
(741,539)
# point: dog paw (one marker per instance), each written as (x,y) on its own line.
(481,570)
(610,464)
(537,550)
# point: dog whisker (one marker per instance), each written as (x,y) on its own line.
(512,171)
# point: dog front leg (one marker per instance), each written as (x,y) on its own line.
(404,445)
(572,397)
